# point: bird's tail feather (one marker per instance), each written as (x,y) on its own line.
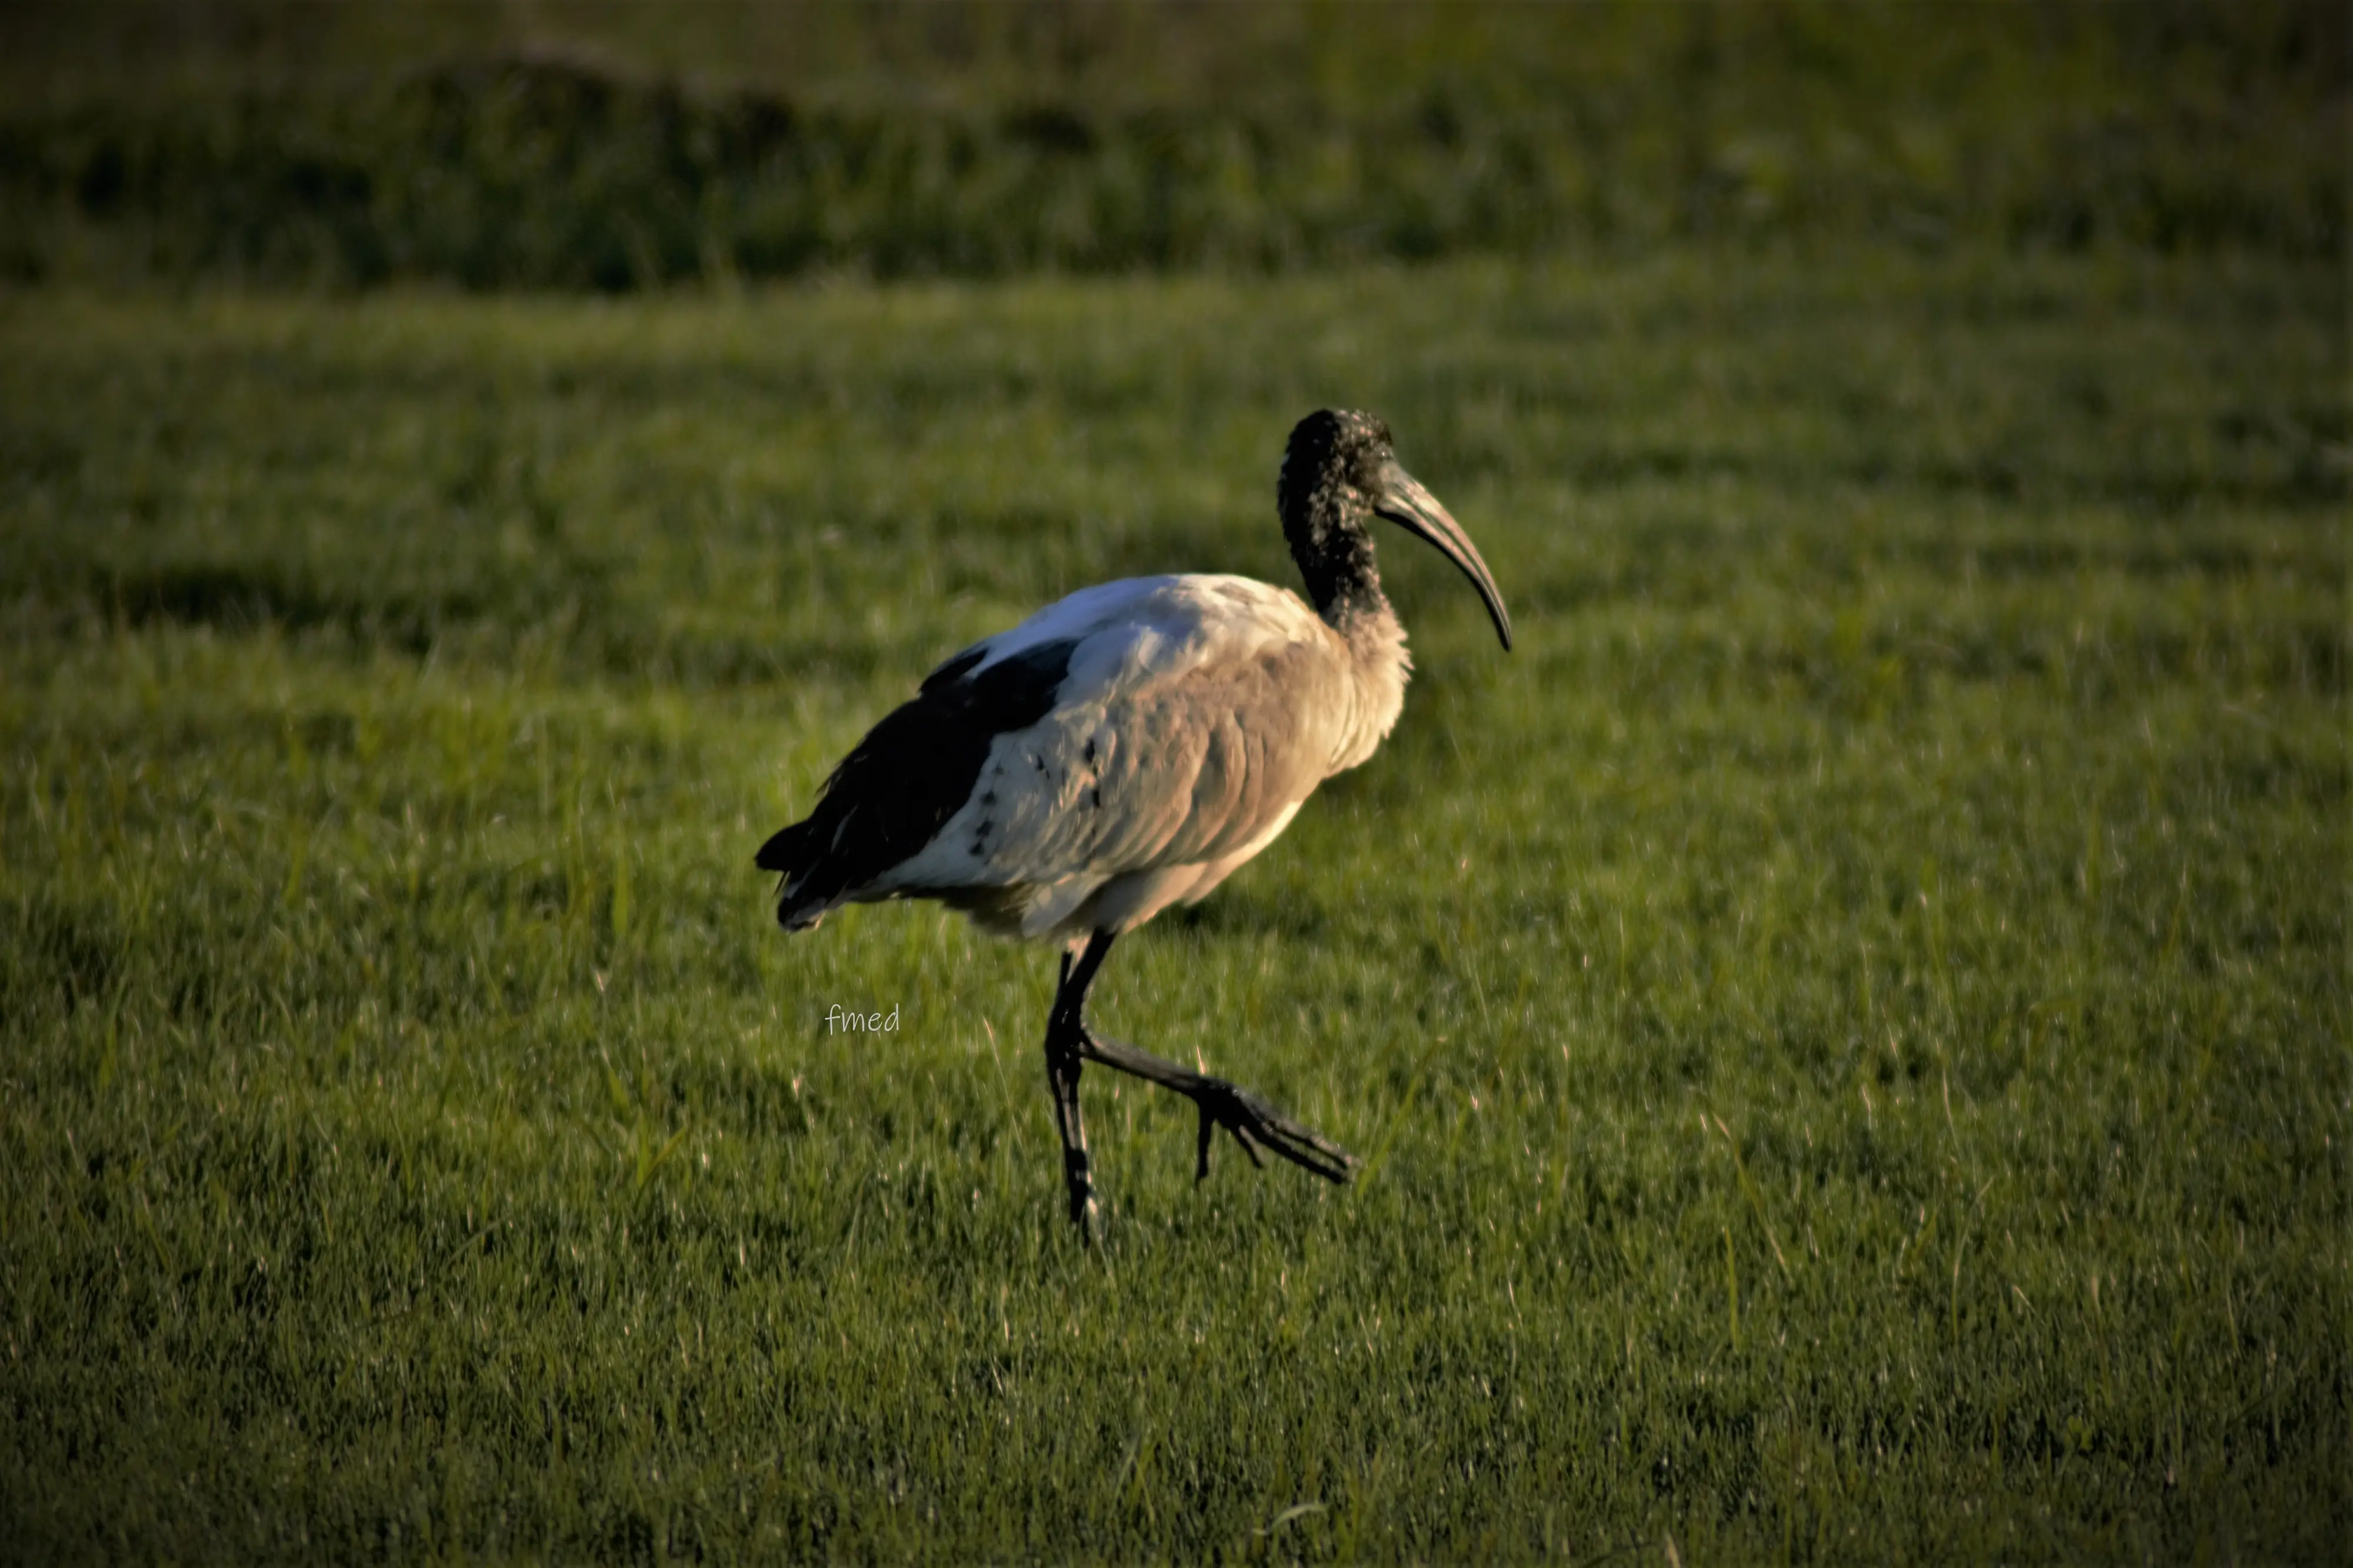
(782,850)
(798,906)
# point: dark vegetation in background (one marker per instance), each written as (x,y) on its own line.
(498,147)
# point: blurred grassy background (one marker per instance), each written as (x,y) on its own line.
(613,147)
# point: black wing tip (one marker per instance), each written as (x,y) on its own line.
(955,669)
(776,854)
(912,773)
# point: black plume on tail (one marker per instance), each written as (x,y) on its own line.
(913,771)
(777,853)
(786,851)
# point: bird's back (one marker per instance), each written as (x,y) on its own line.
(1124,747)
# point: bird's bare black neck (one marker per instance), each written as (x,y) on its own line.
(1323,518)
(1335,557)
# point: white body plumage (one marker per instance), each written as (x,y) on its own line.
(1194,715)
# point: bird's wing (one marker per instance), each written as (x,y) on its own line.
(888,802)
(1187,726)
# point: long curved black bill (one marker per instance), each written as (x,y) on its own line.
(1404,502)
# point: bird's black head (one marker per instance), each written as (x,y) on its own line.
(1341,470)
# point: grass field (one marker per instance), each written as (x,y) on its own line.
(1848,1023)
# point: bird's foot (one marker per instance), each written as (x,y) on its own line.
(1255,1124)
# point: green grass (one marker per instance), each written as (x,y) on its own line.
(1848,1023)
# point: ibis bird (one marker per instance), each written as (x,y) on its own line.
(1128,747)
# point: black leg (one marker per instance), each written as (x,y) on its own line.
(1065,1047)
(1253,1122)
